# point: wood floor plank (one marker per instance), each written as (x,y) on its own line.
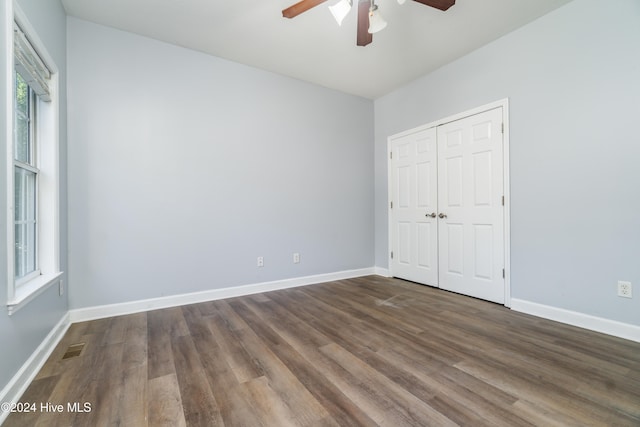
(358,405)
(493,405)
(551,398)
(132,408)
(200,407)
(98,381)
(410,409)
(357,389)
(162,327)
(540,373)
(343,411)
(370,334)
(267,402)
(244,366)
(135,343)
(234,406)
(114,333)
(130,379)
(304,407)
(165,403)
(366,351)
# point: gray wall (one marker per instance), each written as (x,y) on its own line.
(185,167)
(21,333)
(573,80)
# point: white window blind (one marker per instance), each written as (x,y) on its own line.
(30,65)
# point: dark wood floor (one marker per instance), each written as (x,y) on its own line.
(367,351)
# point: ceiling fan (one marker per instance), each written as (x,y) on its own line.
(369,20)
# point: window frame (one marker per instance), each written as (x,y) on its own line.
(46,130)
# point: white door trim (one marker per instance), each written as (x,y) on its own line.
(504,103)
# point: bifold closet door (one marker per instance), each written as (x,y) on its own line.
(413,187)
(470,206)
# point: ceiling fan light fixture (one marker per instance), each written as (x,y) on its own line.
(340,10)
(369,20)
(376,22)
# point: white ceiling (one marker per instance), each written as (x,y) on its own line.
(312,47)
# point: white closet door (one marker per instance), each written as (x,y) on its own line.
(413,181)
(471,214)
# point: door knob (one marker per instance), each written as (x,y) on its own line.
(442,215)
(432,215)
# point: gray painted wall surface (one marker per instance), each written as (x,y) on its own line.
(184,168)
(572,78)
(21,333)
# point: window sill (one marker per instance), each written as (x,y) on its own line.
(30,290)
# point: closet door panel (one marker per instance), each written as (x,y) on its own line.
(471,215)
(413,190)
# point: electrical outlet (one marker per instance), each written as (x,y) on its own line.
(61,287)
(296,258)
(260,261)
(624,289)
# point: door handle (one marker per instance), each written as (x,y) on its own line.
(432,215)
(442,216)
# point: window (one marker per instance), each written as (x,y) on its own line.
(25,184)
(33,181)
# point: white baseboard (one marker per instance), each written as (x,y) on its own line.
(384,272)
(99,312)
(21,380)
(586,321)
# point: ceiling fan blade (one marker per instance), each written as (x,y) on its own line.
(438,4)
(301,6)
(364,37)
